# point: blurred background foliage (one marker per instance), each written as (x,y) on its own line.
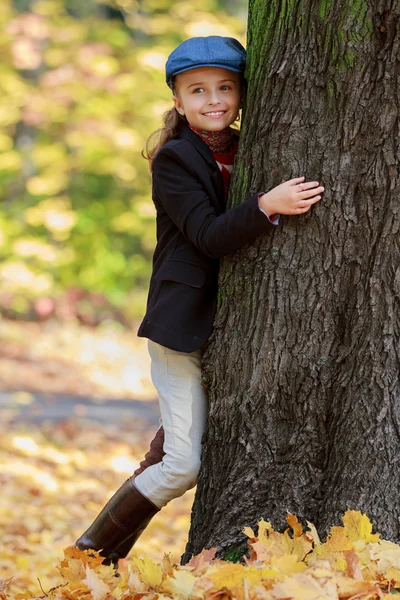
(81,88)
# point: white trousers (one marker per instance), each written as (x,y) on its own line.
(183,406)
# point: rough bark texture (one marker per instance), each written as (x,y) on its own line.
(303,365)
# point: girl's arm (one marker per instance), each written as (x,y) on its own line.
(184,199)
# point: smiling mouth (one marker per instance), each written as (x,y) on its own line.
(216,113)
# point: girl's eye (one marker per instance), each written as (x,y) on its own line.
(225,87)
(198,90)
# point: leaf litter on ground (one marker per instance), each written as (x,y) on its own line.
(353,563)
(55,477)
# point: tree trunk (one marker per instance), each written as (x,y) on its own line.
(303,364)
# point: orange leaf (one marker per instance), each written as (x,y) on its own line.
(204,558)
(294,524)
(353,564)
(350,587)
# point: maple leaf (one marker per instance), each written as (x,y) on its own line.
(148,571)
(134,583)
(182,583)
(271,543)
(386,554)
(358,527)
(333,550)
(97,587)
(303,586)
(294,524)
(227,576)
(348,587)
(353,564)
(286,565)
(74,558)
(205,557)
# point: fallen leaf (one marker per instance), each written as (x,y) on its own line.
(386,554)
(294,524)
(348,587)
(97,587)
(353,564)
(205,557)
(357,526)
(182,583)
(305,587)
(149,571)
(312,535)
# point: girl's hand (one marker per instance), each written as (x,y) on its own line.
(292,197)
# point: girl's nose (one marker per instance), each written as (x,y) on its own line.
(214,98)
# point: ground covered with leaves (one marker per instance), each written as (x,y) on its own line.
(54,479)
(56,476)
(352,563)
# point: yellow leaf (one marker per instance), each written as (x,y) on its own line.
(249,532)
(348,587)
(286,565)
(304,586)
(227,575)
(336,542)
(181,583)
(149,571)
(333,550)
(313,534)
(393,575)
(264,527)
(271,543)
(358,527)
(386,554)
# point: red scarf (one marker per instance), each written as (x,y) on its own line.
(218,141)
(223,146)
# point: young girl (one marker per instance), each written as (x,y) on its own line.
(191,166)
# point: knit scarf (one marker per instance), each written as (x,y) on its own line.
(219,142)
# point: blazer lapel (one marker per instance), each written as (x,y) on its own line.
(204,150)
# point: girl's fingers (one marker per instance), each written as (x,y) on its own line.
(302,209)
(307,185)
(310,202)
(310,191)
(295,181)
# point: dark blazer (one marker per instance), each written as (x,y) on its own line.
(193,233)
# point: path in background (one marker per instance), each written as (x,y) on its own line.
(70,359)
(38,407)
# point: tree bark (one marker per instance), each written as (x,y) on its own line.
(303,364)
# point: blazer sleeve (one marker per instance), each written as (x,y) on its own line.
(188,205)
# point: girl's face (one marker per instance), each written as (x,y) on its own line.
(209,97)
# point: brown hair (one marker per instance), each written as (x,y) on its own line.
(158,138)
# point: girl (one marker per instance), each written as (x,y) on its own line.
(191,166)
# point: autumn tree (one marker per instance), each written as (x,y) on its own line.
(303,365)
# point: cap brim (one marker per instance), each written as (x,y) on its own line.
(228,68)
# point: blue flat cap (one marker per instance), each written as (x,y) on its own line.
(211,51)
